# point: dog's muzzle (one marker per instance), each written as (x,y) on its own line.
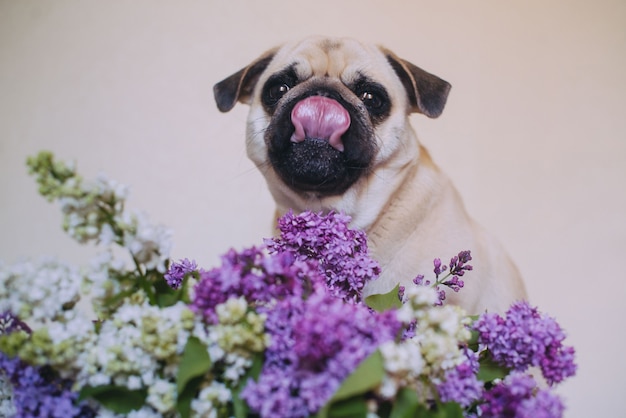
(320,143)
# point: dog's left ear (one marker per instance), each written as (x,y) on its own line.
(427,92)
(239,86)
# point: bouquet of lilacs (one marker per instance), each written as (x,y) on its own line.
(277,330)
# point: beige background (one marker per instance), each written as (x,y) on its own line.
(534,134)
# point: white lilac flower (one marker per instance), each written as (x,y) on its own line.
(403,364)
(100,283)
(134,382)
(74,329)
(149,244)
(134,343)
(95,212)
(88,207)
(162,396)
(110,189)
(82,217)
(216,353)
(231,311)
(164,331)
(432,348)
(61,344)
(107,235)
(238,331)
(210,400)
(144,412)
(232,342)
(39,292)
(440,331)
(235,366)
(7,407)
(416,299)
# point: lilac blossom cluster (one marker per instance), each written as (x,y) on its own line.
(258,277)
(522,339)
(177,272)
(295,304)
(452,279)
(518,396)
(37,391)
(461,384)
(316,338)
(315,345)
(301,285)
(526,338)
(458,267)
(327,239)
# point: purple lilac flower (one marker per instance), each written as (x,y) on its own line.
(527,338)
(454,283)
(341,252)
(543,405)
(39,392)
(315,345)
(518,396)
(257,276)
(177,271)
(401,290)
(461,384)
(458,266)
(10,323)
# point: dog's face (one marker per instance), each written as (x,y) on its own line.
(326,112)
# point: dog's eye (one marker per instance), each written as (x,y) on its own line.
(275,92)
(374,97)
(276,87)
(371,100)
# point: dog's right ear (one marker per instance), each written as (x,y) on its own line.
(427,92)
(239,86)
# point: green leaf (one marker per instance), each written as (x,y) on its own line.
(165,300)
(449,410)
(490,370)
(384,302)
(348,400)
(183,402)
(406,404)
(365,377)
(351,408)
(240,408)
(165,295)
(118,399)
(195,362)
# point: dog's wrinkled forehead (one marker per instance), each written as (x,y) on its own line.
(341,58)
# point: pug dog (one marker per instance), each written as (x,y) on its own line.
(328,128)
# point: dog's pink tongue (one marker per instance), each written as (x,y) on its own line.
(320,118)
